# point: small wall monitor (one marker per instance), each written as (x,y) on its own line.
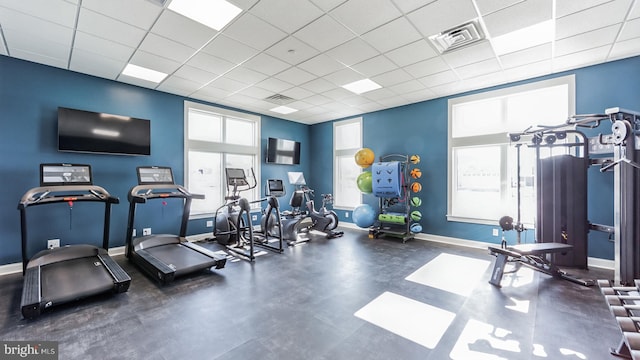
(65,174)
(282,151)
(149,175)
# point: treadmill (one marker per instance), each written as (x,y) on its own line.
(164,257)
(64,274)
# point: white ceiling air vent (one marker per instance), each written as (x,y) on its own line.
(279,99)
(457,37)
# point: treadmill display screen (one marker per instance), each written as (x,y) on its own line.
(65,174)
(155,175)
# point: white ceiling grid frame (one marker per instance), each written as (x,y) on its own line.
(362,16)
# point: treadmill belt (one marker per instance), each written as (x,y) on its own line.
(181,258)
(73,279)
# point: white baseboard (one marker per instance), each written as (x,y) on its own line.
(591,262)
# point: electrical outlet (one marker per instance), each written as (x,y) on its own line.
(53,243)
(209,223)
(146,231)
(495,232)
(254,217)
(134,233)
(346,214)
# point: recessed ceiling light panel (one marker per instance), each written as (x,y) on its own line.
(362,86)
(143,73)
(283,110)
(215,14)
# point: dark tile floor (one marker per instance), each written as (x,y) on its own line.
(301,305)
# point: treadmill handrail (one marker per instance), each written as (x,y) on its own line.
(64,193)
(142,193)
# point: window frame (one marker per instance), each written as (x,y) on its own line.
(222,147)
(343,153)
(500,139)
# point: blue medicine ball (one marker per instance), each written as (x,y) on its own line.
(416,228)
(363,215)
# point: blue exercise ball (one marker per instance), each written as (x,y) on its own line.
(363,215)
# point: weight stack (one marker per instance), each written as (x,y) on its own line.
(562,207)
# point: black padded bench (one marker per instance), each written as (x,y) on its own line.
(624,303)
(534,256)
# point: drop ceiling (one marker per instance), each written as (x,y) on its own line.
(305,50)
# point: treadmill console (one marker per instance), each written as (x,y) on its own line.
(65,174)
(149,175)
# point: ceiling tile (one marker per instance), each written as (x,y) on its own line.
(141,14)
(412,53)
(490,6)
(364,15)
(405,87)
(528,71)
(440,78)
(588,40)
(630,30)
(227,84)
(442,15)
(379,94)
(26,42)
(210,93)
(324,34)
(56,11)
(318,100)
(593,18)
(3,49)
(338,94)
(244,4)
(481,68)
(295,76)
(352,52)
(579,59)
(407,6)
(38,58)
(566,7)
(266,64)
(321,65)
(635,11)
(256,92)
(392,77)
(107,28)
(468,55)
(245,75)
(32,27)
(392,35)
(297,93)
(421,95)
(287,15)
(344,76)
(177,85)
(136,81)
(292,51)
(102,47)
(318,85)
(625,48)
(228,49)
(275,85)
(154,62)
(195,75)
(254,32)
(210,63)
(518,16)
(183,30)
(327,5)
(166,48)
(375,66)
(526,56)
(427,67)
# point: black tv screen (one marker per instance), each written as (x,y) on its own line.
(282,151)
(87,131)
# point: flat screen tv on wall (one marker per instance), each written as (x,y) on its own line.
(87,131)
(282,151)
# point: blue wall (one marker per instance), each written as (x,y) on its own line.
(422,129)
(29,97)
(31,93)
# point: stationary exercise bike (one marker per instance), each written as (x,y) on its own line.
(297,222)
(233,225)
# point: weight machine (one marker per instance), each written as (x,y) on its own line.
(562,226)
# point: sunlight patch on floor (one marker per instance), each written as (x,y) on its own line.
(421,323)
(452,273)
(520,278)
(519,305)
(482,341)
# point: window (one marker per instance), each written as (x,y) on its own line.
(483,163)
(347,140)
(216,139)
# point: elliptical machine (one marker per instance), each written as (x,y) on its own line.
(297,222)
(233,225)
